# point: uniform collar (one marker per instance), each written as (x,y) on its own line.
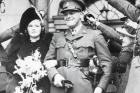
(79,34)
(76,30)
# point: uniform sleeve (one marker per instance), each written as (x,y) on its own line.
(109,32)
(126,55)
(126,8)
(51,52)
(51,55)
(125,58)
(11,51)
(13,45)
(104,57)
(3,55)
(9,33)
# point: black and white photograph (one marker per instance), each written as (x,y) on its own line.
(69,46)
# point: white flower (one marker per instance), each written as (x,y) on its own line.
(18,90)
(31,70)
(35,90)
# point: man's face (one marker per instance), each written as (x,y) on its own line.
(72,18)
(126,40)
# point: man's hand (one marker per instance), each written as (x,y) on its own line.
(89,18)
(58,80)
(131,23)
(126,41)
(98,90)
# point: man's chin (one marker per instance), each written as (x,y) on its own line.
(70,24)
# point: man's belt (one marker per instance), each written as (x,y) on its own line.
(73,62)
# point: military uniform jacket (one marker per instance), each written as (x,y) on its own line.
(126,8)
(86,44)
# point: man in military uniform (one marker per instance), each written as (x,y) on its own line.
(127,33)
(74,49)
(132,12)
(126,8)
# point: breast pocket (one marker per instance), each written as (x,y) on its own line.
(60,48)
(85,49)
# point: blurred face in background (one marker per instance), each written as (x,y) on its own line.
(126,40)
(34,29)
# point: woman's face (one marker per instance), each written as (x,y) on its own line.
(34,28)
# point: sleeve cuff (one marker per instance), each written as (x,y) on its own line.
(51,73)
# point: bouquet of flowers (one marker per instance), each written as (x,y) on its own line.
(30,69)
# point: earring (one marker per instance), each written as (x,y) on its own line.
(43,28)
(26,32)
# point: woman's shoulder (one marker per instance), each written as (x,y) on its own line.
(17,39)
(14,44)
(48,36)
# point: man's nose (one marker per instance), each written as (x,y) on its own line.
(68,15)
(33,28)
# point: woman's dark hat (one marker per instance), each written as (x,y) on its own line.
(29,15)
(75,5)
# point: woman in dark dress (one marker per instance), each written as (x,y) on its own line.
(31,37)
